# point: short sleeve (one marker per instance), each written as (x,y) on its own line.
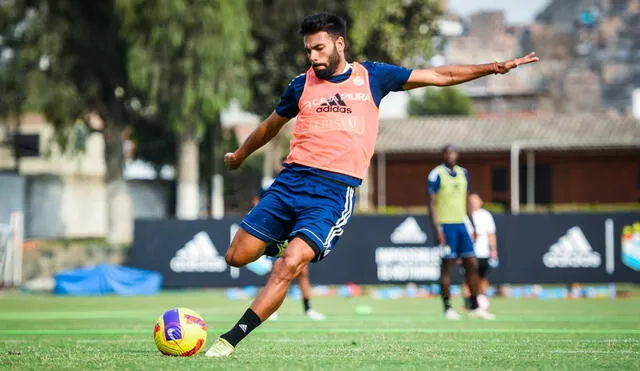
(433,181)
(288,105)
(491,224)
(392,77)
(385,78)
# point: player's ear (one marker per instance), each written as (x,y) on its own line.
(340,44)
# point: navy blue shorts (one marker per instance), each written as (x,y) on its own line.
(302,205)
(459,244)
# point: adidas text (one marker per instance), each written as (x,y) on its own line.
(333,109)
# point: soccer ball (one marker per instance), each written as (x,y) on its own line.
(180,332)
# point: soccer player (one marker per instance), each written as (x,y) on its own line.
(448,185)
(311,200)
(485,246)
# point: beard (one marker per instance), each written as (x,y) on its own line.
(330,67)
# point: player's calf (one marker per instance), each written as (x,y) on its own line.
(285,270)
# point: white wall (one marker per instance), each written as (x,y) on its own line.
(76,207)
(635,99)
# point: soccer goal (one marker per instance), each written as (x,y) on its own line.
(11,238)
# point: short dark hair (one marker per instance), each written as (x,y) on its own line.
(449,147)
(327,22)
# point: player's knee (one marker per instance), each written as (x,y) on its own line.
(296,257)
(445,268)
(233,259)
(292,263)
(471,265)
(286,268)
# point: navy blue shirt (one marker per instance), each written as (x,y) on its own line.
(383,79)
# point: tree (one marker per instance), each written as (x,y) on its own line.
(279,53)
(12,80)
(393,31)
(70,63)
(187,61)
(440,101)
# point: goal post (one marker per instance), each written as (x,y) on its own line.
(11,241)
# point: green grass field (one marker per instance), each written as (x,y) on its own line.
(45,332)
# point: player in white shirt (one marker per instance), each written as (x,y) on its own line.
(485,245)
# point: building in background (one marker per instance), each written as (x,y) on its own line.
(487,37)
(512,161)
(590,52)
(63,194)
(602,37)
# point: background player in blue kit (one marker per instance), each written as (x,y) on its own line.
(448,185)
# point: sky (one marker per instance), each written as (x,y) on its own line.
(517,11)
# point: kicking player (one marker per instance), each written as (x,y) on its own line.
(311,200)
(448,185)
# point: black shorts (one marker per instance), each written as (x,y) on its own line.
(483,268)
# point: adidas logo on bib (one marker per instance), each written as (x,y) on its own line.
(334,104)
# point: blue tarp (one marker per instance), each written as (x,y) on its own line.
(104,279)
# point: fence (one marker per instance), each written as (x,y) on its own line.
(552,248)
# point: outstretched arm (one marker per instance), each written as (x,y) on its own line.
(453,75)
(261,136)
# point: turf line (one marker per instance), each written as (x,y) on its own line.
(140,315)
(18,332)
